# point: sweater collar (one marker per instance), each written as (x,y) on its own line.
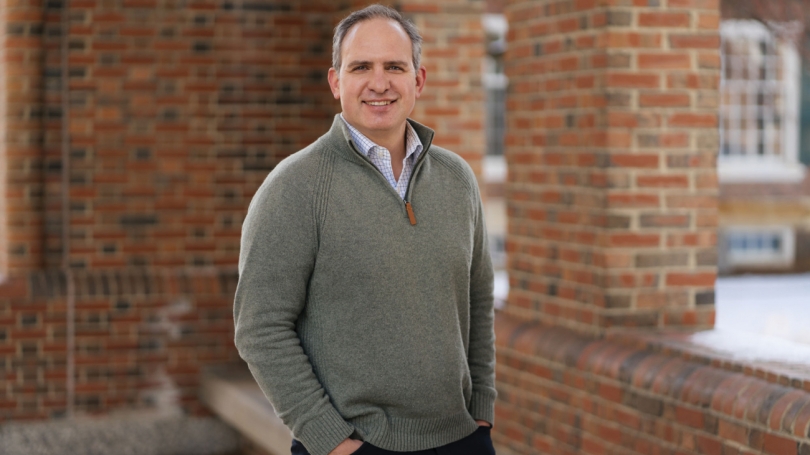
(342,138)
(364,145)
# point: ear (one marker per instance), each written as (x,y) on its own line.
(421,77)
(334,83)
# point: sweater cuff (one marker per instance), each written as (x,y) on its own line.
(482,406)
(325,432)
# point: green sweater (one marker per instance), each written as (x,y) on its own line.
(354,320)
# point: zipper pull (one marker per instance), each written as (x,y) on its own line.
(411,216)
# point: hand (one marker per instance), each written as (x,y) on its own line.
(483,423)
(347,447)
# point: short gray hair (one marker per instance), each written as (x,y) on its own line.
(376,12)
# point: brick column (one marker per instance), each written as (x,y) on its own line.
(21,157)
(611,142)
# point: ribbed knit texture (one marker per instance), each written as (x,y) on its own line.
(354,320)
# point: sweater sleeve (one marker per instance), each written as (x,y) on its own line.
(279,244)
(481,358)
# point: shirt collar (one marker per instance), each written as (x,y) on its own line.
(413,146)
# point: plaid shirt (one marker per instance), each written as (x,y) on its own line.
(381,157)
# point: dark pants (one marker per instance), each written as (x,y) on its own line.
(478,443)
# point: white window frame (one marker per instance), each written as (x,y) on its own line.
(762,258)
(749,166)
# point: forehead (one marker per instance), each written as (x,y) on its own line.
(374,39)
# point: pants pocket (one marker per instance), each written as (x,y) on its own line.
(362,449)
(298,448)
(484,437)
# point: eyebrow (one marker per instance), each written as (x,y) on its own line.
(368,63)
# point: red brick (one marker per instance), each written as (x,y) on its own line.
(624,39)
(712,5)
(732,432)
(779,445)
(693,120)
(664,99)
(705,279)
(14,288)
(663,19)
(664,61)
(780,409)
(664,181)
(633,80)
(637,160)
(802,425)
(709,21)
(689,417)
(634,240)
(694,41)
(638,200)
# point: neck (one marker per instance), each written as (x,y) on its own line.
(394,142)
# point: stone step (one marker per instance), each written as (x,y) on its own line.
(233,395)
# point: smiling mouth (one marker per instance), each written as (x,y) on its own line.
(378,103)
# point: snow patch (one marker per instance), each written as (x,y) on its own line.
(774,306)
(501,291)
(761,318)
(753,347)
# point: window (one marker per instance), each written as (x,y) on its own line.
(758,246)
(494,165)
(495,81)
(759,106)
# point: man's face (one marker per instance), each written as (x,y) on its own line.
(377,84)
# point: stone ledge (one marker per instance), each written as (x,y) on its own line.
(232,394)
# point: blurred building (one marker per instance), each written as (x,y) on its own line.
(764,213)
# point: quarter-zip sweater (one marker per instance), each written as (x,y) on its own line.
(360,313)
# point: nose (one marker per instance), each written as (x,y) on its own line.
(379,80)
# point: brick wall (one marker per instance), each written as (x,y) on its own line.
(611,142)
(564,393)
(142,338)
(176,113)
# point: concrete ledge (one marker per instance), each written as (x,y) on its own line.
(138,433)
(234,396)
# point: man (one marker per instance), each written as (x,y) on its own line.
(364,305)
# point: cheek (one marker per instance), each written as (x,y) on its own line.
(351,89)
